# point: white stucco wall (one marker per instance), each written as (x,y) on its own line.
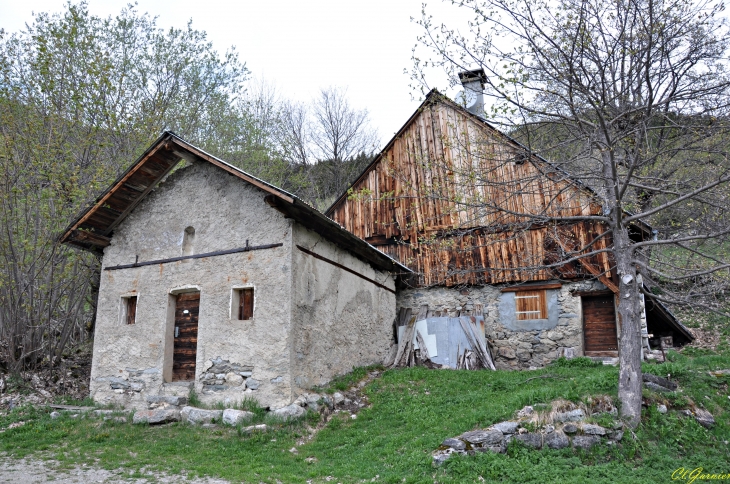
(224,211)
(339,320)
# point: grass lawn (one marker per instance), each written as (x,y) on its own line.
(412,412)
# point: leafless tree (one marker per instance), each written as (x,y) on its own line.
(339,134)
(328,141)
(631,97)
(295,135)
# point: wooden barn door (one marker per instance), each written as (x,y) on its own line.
(599,326)
(186,336)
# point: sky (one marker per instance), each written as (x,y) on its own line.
(300,46)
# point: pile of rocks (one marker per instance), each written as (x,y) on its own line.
(559,430)
(350,401)
(165,409)
(664,385)
(77,412)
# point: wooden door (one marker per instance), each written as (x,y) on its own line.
(185,337)
(599,326)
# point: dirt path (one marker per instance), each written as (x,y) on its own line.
(34,471)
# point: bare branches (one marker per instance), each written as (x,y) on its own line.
(631,98)
(340,132)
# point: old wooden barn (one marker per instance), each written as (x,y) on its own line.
(492,229)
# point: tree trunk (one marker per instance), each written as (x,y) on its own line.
(629,379)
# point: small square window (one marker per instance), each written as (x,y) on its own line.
(242,302)
(129,310)
(531,305)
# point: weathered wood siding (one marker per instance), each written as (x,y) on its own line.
(456,201)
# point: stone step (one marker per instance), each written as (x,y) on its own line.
(177,388)
(174,400)
(606,360)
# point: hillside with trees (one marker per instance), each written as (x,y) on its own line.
(81,97)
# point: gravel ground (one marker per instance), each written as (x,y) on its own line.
(32,471)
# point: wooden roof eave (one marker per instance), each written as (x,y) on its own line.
(332,231)
(94,241)
(290,205)
(97,238)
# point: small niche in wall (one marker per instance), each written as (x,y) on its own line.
(242,303)
(129,310)
(188,240)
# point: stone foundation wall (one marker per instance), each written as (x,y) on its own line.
(514,345)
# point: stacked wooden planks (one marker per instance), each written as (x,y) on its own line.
(461,203)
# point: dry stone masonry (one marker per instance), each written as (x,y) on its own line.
(553,429)
(560,425)
(516,345)
(220,375)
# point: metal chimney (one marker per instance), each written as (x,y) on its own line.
(473,82)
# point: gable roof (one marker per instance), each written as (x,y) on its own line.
(93,228)
(435,97)
(442,129)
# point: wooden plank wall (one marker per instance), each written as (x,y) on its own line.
(446,199)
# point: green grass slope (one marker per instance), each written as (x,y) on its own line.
(412,411)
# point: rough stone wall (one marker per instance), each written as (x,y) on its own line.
(132,361)
(517,345)
(339,320)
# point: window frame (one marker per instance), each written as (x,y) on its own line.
(128,310)
(239,311)
(527,310)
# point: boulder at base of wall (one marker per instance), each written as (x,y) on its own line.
(200,416)
(157,416)
(235,417)
(290,411)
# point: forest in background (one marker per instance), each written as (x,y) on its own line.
(81,97)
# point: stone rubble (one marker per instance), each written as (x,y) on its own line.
(557,440)
(254,428)
(163,409)
(658,383)
(556,429)
(703,417)
(571,416)
(157,416)
(290,411)
(568,428)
